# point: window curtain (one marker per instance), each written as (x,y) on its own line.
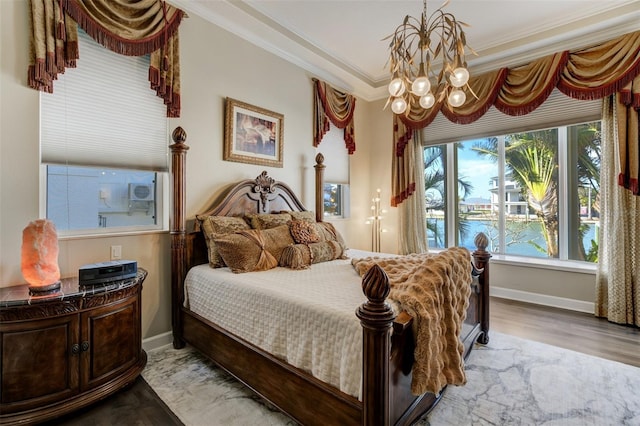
(128,27)
(412,212)
(618,274)
(627,121)
(333,106)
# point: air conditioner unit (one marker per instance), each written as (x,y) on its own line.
(141,192)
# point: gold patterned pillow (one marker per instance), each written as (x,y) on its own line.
(307,215)
(301,256)
(303,232)
(253,249)
(328,232)
(219,225)
(267,220)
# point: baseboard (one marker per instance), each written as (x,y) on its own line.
(157,341)
(543,299)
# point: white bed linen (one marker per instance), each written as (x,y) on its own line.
(305,317)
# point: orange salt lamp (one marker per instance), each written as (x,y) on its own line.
(40,256)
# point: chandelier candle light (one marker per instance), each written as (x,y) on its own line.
(412,59)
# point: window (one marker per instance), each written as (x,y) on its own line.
(336,196)
(436,195)
(336,174)
(90,197)
(533,193)
(104,149)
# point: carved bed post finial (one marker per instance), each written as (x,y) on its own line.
(376,318)
(481,259)
(177,229)
(319,186)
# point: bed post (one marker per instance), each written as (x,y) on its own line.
(481,259)
(376,318)
(177,230)
(319,187)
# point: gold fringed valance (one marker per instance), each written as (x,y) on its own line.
(526,87)
(333,106)
(129,27)
(589,73)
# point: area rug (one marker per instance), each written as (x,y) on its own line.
(511,381)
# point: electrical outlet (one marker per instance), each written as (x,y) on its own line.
(104,194)
(116,252)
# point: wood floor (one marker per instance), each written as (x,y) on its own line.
(576,331)
(139,405)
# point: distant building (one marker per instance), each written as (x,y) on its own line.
(474,204)
(514,203)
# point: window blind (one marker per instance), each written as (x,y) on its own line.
(557,110)
(334,150)
(104,114)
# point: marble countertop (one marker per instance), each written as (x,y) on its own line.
(20,295)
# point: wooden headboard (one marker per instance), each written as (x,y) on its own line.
(260,195)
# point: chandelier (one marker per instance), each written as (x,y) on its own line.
(416,46)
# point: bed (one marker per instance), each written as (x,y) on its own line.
(388,342)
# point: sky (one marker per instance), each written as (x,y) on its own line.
(476,170)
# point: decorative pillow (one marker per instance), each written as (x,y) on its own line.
(253,249)
(267,220)
(307,215)
(328,232)
(303,232)
(301,256)
(218,225)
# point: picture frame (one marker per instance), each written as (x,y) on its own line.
(252,134)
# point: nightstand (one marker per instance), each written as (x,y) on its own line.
(63,351)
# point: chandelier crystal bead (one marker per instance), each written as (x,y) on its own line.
(427,53)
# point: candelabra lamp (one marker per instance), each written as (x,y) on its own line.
(375,221)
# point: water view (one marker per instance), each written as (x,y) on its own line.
(522,237)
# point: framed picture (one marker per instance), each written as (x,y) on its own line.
(252,135)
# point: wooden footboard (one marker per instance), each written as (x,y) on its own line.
(387,341)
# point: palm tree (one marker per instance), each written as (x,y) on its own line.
(588,155)
(532,160)
(434,187)
(534,164)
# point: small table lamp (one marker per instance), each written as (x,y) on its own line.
(40,256)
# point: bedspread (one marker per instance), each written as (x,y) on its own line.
(304,317)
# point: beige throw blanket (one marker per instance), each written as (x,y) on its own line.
(434,289)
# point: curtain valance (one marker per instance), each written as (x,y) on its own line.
(589,73)
(333,106)
(128,27)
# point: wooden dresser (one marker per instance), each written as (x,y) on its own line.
(64,351)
